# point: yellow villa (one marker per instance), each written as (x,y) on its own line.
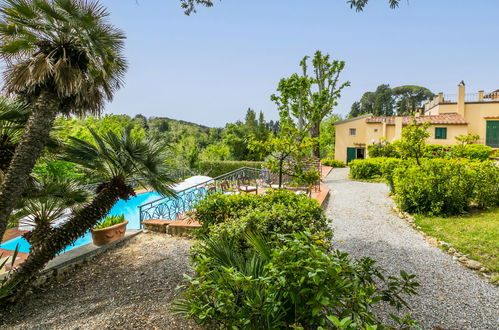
(448,115)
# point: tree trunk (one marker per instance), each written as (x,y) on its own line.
(35,137)
(79,223)
(315,134)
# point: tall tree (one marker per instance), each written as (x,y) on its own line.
(409,98)
(117,159)
(386,101)
(310,98)
(62,57)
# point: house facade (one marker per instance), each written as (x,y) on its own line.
(448,115)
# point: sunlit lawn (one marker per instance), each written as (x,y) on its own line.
(476,234)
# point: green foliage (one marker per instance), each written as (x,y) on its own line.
(469,138)
(309,99)
(333,163)
(110,221)
(473,151)
(217,168)
(292,280)
(446,187)
(386,101)
(413,141)
(265,261)
(278,211)
(288,154)
(327,136)
(382,149)
(477,152)
(365,169)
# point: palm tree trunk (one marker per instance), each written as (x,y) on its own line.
(35,137)
(80,222)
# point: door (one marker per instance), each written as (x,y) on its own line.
(351,154)
(360,153)
(492,134)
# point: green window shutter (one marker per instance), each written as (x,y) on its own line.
(440,132)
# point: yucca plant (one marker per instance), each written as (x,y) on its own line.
(62,57)
(120,161)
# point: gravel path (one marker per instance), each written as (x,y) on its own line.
(129,287)
(450,296)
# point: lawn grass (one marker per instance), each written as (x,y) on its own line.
(475,234)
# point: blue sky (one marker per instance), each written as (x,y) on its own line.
(211,66)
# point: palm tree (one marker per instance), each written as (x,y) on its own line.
(120,161)
(46,203)
(62,58)
(13,117)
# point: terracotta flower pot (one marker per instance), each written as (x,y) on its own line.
(109,234)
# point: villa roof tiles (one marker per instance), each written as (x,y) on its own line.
(442,119)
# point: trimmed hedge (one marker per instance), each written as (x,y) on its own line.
(217,168)
(471,151)
(333,162)
(438,186)
(446,186)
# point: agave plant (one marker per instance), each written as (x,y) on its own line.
(120,161)
(62,57)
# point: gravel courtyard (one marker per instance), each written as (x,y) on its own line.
(450,296)
(129,287)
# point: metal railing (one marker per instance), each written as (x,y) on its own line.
(173,208)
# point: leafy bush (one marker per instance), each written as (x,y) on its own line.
(110,221)
(293,281)
(477,152)
(333,163)
(365,169)
(474,151)
(217,168)
(441,186)
(485,177)
(278,211)
(383,149)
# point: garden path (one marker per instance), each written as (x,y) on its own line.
(450,296)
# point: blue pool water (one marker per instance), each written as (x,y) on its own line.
(128,208)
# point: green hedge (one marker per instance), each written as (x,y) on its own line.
(471,151)
(218,168)
(446,186)
(333,162)
(438,186)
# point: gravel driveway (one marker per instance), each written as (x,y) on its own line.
(129,287)
(450,296)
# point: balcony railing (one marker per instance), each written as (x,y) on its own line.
(174,208)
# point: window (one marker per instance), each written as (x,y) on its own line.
(375,130)
(440,132)
(353,131)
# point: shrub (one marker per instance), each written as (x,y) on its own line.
(382,149)
(485,177)
(333,162)
(388,166)
(291,282)
(278,211)
(436,151)
(438,186)
(365,169)
(109,221)
(475,151)
(217,168)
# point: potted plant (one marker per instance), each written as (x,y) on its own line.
(110,229)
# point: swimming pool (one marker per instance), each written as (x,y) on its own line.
(128,208)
